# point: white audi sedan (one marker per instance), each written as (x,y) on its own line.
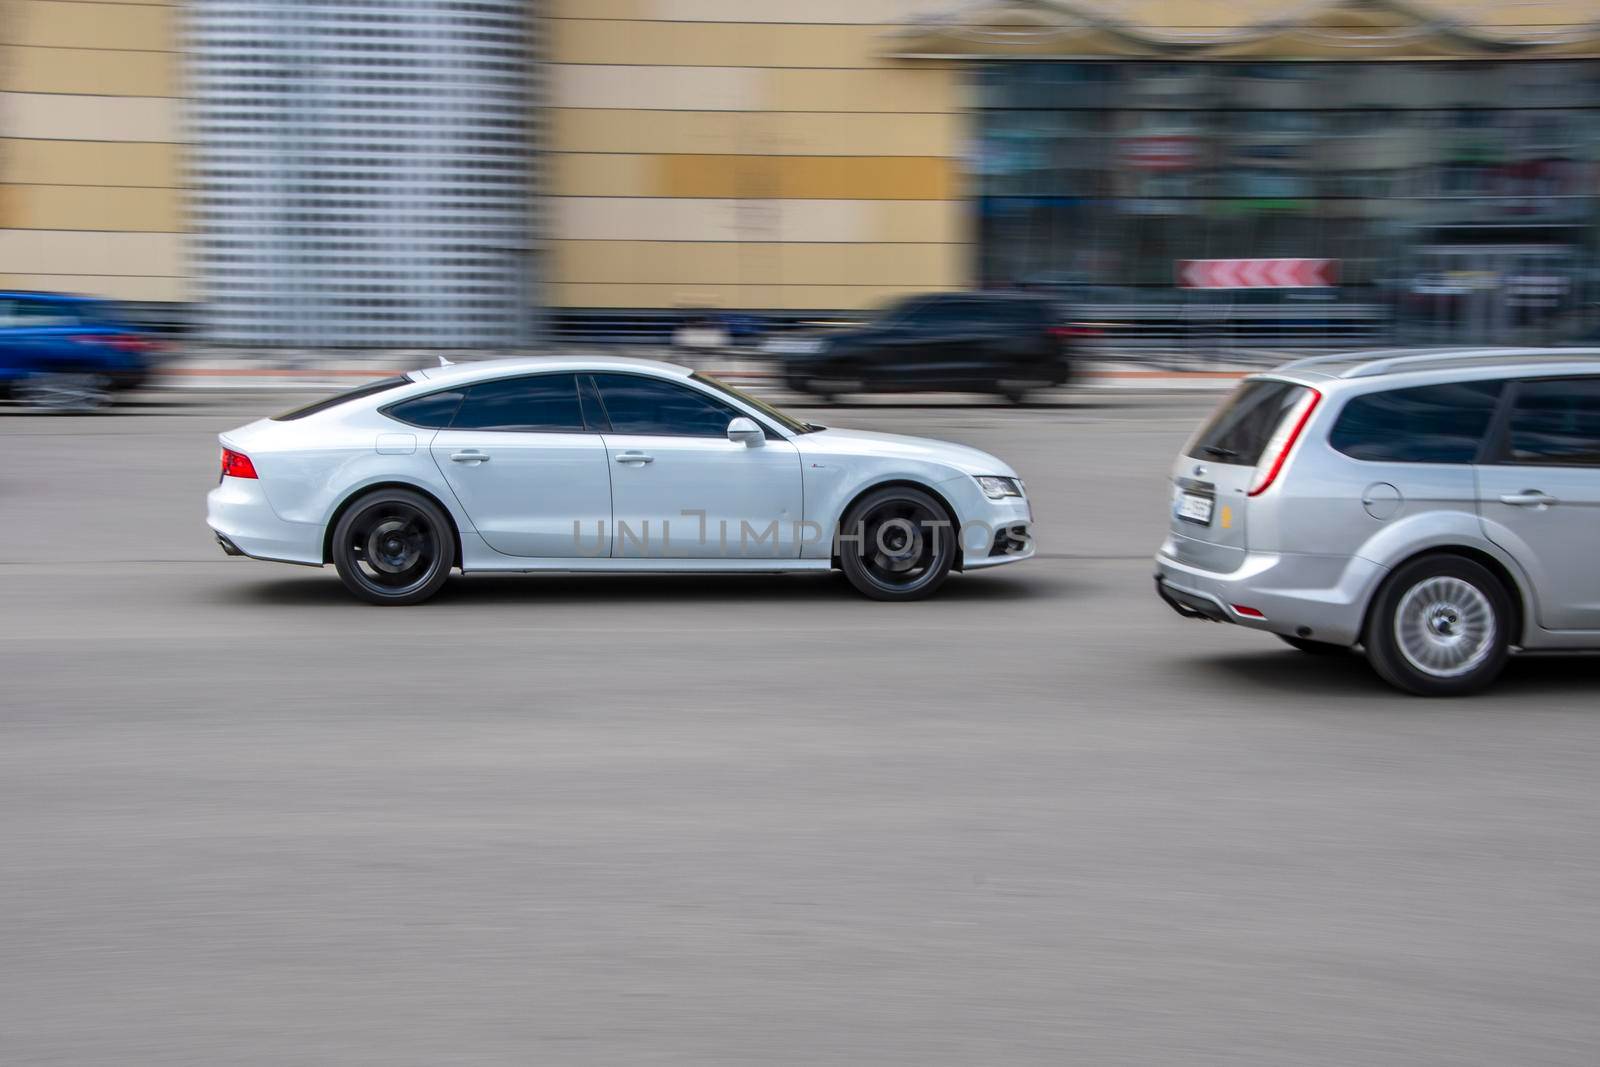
(601,464)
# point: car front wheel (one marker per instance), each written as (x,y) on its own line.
(1440,627)
(393,546)
(897,543)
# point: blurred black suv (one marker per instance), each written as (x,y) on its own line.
(1005,343)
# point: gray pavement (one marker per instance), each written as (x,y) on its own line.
(553,820)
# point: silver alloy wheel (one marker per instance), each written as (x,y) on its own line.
(64,392)
(1445,626)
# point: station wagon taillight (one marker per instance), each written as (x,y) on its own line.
(1283,438)
(237,465)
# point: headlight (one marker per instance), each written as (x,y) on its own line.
(997,488)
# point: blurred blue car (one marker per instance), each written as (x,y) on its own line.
(69,353)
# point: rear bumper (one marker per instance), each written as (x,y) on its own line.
(1319,597)
(245,525)
(1186,602)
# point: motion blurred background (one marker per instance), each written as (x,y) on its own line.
(1041,819)
(373,174)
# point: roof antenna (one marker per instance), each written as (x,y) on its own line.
(445,362)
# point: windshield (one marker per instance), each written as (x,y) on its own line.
(787,422)
(899,309)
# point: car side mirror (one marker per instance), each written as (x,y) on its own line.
(746,432)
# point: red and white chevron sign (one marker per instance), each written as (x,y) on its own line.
(1257,273)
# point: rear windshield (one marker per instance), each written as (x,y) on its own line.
(370,389)
(1238,433)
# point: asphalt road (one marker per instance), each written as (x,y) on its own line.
(553,820)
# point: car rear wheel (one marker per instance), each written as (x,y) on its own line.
(897,543)
(65,392)
(393,546)
(1440,627)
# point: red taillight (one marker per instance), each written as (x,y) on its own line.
(1249,613)
(121,342)
(237,465)
(1288,432)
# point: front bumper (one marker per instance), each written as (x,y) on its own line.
(1011,541)
(1323,598)
(993,532)
(239,515)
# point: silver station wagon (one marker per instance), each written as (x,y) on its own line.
(1438,510)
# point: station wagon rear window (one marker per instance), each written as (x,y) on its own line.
(1238,433)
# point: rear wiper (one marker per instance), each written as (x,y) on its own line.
(1219,451)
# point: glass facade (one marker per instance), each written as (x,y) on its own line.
(1461,199)
(361,172)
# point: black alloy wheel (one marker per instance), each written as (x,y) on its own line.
(897,543)
(393,546)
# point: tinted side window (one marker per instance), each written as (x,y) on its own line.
(943,313)
(542,403)
(1238,433)
(1557,422)
(650,405)
(45,313)
(1010,313)
(1429,424)
(432,412)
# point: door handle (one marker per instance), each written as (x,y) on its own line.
(634,457)
(469,456)
(1529,498)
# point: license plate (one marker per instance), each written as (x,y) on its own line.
(1195,508)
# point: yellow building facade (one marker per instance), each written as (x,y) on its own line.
(91,196)
(759,154)
(749,155)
